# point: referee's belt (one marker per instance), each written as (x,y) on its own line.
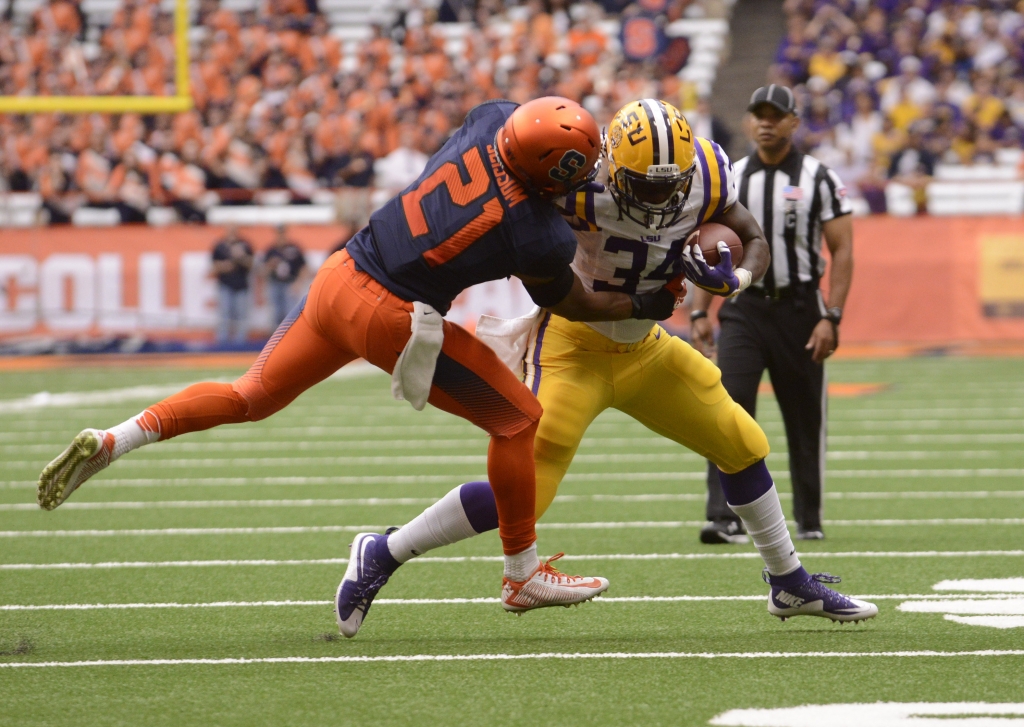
(788,292)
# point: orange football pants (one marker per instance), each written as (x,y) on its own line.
(349,315)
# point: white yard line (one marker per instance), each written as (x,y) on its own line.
(424,560)
(999,603)
(967,607)
(480,460)
(988,585)
(217,504)
(247,433)
(46,400)
(926,439)
(454,479)
(276,481)
(399,501)
(303,529)
(627,429)
(469,442)
(615,655)
(926,521)
(997,622)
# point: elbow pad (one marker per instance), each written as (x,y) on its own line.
(554,291)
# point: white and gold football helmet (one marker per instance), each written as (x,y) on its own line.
(650,153)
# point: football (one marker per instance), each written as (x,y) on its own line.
(708,236)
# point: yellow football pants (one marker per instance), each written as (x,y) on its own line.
(660,381)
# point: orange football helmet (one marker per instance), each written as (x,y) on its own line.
(551,145)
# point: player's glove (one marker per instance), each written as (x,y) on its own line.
(720,279)
(656,306)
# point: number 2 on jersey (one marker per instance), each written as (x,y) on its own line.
(462,194)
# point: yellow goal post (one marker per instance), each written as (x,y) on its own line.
(180,101)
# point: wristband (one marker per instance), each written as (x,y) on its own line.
(745,277)
(696,315)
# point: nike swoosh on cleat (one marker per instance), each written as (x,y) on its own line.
(588,584)
(362,556)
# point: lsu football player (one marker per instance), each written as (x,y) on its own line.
(661,184)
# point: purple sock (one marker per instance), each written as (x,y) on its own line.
(747,485)
(384,558)
(796,578)
(478,503)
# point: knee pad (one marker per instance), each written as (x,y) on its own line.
(746,436)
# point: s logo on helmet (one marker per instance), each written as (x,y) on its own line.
(569,165)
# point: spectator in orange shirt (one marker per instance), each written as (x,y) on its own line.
(184,182)
(586,43)
(59,16)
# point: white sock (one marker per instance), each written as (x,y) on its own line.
(443,523)
(138,431)
(521,566)
(766,525)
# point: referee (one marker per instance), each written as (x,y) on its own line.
(783,323)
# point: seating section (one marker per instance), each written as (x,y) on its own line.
(919,106)
(310,109)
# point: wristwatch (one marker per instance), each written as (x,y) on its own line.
(834,314)
(696,315)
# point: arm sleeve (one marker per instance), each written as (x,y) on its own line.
(834,200)
(543,243)
(548,254)
(554,291)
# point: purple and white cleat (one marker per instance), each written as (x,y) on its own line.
(370,564)
(810,597)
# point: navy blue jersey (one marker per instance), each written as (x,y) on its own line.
(463,222)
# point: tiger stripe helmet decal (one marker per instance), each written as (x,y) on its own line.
(651,159)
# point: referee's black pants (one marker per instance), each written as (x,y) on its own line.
(758,333)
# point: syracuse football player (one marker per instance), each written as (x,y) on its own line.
(482,210)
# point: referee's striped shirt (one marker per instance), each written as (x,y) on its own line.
(791,201)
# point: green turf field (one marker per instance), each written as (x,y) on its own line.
(228,545)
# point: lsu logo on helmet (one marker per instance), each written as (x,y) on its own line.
(651,162)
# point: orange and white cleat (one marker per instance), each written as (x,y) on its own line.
(548,586)
(89,452)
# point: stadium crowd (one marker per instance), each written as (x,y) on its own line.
(890,88)
(280,103)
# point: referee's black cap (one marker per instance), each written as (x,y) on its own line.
(775,95)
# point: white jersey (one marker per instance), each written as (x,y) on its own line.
(616,253)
